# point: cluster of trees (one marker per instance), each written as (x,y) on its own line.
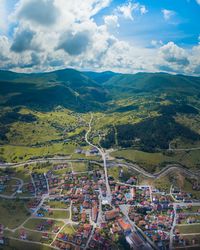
(11,117)
(126,108)
(176,108)
(154,133)
(4,130)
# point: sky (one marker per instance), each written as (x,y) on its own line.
(125,36)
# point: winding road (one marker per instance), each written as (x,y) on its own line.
(103,154)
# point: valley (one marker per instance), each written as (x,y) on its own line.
(87,156)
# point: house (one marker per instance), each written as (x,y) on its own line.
(83,216)
(23,235)
(126,227)
(112,214)
(133,192)
(45,236)
(94,213)
(78,151)
(115,228)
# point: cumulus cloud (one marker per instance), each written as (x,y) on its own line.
(23,41)
(167,14)
(3,21)
(43,12)
(111,21)
(171,53)
(70,37)
(195,60)
(4,49)
(74,43)
(128,9)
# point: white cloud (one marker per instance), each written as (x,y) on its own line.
(167,14)
(156,43)
(128,9)
(4,48)
(195,60)
(198,1)
(71,38)
(173,54)
(75,43)
(42,12)
(143,9)
(23,41)
(174,59)
(111,21)
(3,16)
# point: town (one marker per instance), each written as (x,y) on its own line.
(69,208)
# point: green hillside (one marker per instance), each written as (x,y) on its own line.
(68,88)
(127,84)
(49,112)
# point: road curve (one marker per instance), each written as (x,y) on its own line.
(103,154)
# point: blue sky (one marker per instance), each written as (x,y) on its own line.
(127,36)
(183,27)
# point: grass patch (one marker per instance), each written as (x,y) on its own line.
(23,153)
(19,245)
(33,223)
(153,162)
(188,229)
(13,213)
(79,167)
(56,204)
(69,229)
(56,214)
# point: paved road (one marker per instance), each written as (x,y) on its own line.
(169,168)
(20,185)
(147,245)
(103,154)
(173,227)
(182,149)
(12,196)
(137,168)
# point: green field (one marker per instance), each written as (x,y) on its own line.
(114,172)
(13,213)
(56,204)
(48,126)
(20,245)
(188,229)
(79,167)
(153,162)
(57,214)
(69,229)
(23,153)
(33,223)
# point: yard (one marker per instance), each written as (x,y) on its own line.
(33,223)
(189,229)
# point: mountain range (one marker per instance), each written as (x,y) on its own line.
(154,107)
(89,91)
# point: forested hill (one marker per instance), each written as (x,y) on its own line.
(85,91)
(152,107)
(128,84)
(44,91)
